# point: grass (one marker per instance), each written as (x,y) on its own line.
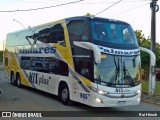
(145,84)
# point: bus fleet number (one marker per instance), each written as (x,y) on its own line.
(83,96)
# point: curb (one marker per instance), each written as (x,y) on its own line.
(149,101)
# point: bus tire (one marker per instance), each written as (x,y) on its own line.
(64,95)
(18,81)
(12,78)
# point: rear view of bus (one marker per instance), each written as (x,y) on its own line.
(111,54)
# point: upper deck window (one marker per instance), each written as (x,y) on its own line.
(78,30)
(115,34)
(48,34)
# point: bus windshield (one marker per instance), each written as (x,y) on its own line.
(117,34)
(118,71)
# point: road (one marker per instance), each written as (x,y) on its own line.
(13,98)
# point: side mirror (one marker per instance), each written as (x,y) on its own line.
(90,46)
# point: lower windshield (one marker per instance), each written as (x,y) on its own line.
(118,71)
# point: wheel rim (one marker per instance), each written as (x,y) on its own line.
(64,94)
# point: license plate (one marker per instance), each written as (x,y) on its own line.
(121,102)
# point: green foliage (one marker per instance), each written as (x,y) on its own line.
(143,42)
(146,43)
(158,55)
(145,87)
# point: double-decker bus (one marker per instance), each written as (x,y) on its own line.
(91,60)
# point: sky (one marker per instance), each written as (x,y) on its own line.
(135,12)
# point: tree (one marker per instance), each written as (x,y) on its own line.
(158,55)
(143,42)
(146,43)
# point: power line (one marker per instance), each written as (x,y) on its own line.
(124,1)
(131,9)
(43,7)
(29,1)
(39,2)
(108,8)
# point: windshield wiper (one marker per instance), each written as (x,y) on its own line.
(115,74)
(101,82)
(127,75)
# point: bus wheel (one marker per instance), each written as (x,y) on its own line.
(12,79)
(64,95)
(18,81)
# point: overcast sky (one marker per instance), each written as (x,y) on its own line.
(135,12)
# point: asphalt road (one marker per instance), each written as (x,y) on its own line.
(13,98)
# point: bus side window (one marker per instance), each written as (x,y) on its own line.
(56,35)
(25,63)
(83,67)
(58,67)
(53,67)
(63,68)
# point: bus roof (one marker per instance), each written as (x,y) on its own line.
(68,19)
(94,18)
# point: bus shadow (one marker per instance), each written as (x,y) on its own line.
(42,93)
(80,106)
(93,109)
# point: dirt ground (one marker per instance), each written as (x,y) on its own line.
(155,99)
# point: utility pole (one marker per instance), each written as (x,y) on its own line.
(152,77)
(154,8)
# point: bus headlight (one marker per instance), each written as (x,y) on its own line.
(138,92)
(98,100)
(101,92)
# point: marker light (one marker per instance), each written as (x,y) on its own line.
(103,56)
(139,91)
(138,100)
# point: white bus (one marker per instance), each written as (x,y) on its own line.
(91,60)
